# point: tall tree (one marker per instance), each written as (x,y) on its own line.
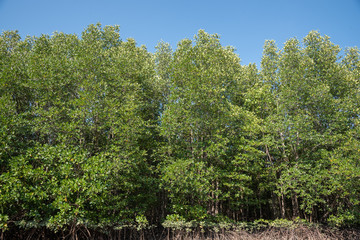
(205,131)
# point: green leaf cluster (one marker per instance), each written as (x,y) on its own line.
(97,132)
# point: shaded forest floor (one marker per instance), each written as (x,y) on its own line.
(275,234)
(268,233)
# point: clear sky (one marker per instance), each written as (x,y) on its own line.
(242,24)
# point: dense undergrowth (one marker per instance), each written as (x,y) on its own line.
(100,138)
(261,229)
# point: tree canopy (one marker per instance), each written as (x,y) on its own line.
(98,132)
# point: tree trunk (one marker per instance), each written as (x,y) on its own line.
(282,206)
(295,205)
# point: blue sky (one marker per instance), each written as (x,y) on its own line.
(242,24)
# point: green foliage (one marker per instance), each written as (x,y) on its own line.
(97,132)
(72,141)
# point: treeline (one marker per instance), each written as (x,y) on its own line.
(99,133)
